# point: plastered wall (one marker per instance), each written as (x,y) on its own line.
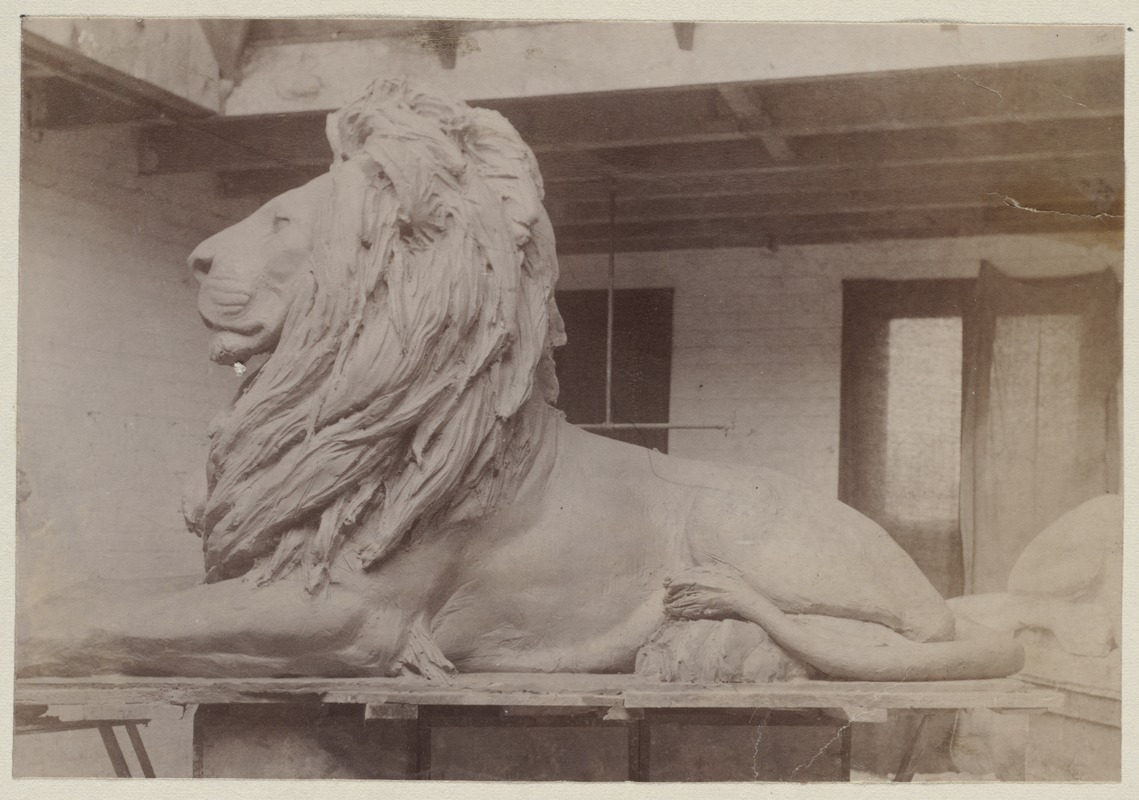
(115,388)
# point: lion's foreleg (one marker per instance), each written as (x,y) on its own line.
(228,628)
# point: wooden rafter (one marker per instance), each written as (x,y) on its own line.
(685,33)
(752,118)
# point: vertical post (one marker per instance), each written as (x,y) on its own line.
(114,752)
(846,747)
(422,733)
(140,750)
(609,306)
(909,764)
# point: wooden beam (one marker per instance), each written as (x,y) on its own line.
(443,36)
(169,56)
(56,102)
(745,233)
(753,119)
(1097,177)
(685,33)
(276,141)
(819,177)
(80,85)
(1030,194)
(226,38)
(996,139)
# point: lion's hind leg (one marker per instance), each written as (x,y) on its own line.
(809,554)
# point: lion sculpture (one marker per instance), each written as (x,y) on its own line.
(392,491)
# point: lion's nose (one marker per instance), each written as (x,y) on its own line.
(201,266)
(201,261)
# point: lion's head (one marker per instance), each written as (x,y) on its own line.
(407,301)
(252,272)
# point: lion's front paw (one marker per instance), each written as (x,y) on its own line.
(706,593)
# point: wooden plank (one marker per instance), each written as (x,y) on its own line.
(390,711)
(1005,693)
(542,690)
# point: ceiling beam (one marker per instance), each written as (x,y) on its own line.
(776,220)
(752,119)
(772,232)
(685,33)
(1096,176)
(1033,194)
(816,177)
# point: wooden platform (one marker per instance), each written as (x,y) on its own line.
(526,726)
(529,689)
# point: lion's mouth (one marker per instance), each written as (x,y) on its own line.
(230,346)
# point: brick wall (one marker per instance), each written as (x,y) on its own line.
(757,335)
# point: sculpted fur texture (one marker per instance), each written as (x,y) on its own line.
(411,294)
(392,490)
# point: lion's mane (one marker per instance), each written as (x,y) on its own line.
(399,394)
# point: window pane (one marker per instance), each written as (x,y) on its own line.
(923,419)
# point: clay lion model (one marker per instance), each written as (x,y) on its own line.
(392,490)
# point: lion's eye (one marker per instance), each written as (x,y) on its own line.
(280,222)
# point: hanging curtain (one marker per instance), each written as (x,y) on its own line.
(1042,358)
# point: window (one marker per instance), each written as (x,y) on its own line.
(900,435)
(642,360)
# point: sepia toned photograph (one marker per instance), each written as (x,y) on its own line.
(497,400)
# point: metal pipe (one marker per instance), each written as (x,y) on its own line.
(609,306)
